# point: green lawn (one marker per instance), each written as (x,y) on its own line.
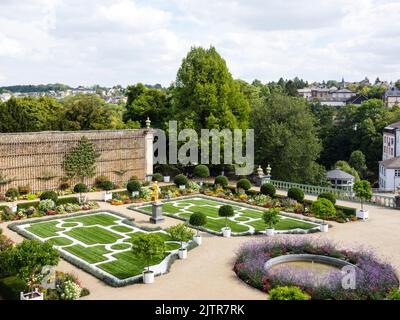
(95,244)
(245,219)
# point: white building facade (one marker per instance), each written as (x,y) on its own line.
(389,167)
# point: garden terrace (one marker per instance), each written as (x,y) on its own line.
(100,243)
(246,220)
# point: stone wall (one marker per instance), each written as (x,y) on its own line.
(27,158)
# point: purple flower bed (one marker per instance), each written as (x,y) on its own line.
(374,278)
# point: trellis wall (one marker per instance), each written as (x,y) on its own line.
(36,159)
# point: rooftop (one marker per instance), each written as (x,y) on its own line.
(392,163)
(338,174)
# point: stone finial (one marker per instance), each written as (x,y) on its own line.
(268,170)
(260,171)
(148,122)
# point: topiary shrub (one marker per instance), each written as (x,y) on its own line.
(198,219)
(271,217)
(323,209)
(296,194)
(268,189)
(99,180)
(12,193)
(80,188)
(133,186)
(226,211)
(158,177)
(49,195)
(221,181)
(328,195)
(181,180)
(244,184)
(201,171)
(288,293)
(107,185)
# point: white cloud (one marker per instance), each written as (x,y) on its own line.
(126,41)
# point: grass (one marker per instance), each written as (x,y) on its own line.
(94,243)
(243,219)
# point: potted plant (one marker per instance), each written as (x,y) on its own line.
(149,247)
(323,209)
(29,259)
(201,171)
(362,190)
(182,234)
(81,188)
(226,211)
(271,218)
(134,187)
(181,181)
(198,219)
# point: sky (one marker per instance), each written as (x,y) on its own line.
(86,42)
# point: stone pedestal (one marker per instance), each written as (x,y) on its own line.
(260,180)
(157,213)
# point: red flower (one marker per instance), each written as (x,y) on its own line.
(51,212)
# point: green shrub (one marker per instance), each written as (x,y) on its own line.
(348,211)
(180,233)
(221,181)
(323,209)
(80,188)
(181,180)
(244,184)
(7,214)
(64,185)
(198,219)
(268,189)
(99,180)
(201,171)
(134,186)
(11,287)
(226,211)
(271,217)
(107,185)
(394,294)
(12,193)
(328,195)
(22,190)
(149,247)
(158,177)
(287,293)
(296,194)
(49,195)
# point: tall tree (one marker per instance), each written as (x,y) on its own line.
(357,161)
(286,138)
(205,94)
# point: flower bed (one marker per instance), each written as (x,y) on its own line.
(374,278)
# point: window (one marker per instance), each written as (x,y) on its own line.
(397,172)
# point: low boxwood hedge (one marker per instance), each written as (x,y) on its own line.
(35,204)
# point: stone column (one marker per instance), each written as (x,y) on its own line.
(148,149)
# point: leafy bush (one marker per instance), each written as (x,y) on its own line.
(7,214)
(296,194)
(288,293)
(11,287)
(394,294)
(198,219)
(181,180)
(180,233)
(158,177)
(271,217)
(80,188)
(363,191)
(149,247)
(221,181)
(12,193)
(226,211)
(52,195)
(201,171)
(24,189)
(328,195)
(99,180)
(268,189)
(347,210)
(323,209)
(133,186)
(107,185)
(244,184)
(46,205)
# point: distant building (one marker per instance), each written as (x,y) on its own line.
(392,97)
(389,167)
(5,97)
(336,97)
(340,180)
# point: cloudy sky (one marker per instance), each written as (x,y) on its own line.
(127,41)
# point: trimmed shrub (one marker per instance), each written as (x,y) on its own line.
(222,181)
(198,219)
(271,217)
(288,293)
(80,188)
(158,177)
(348,211)
(133,178)
(99,180)
(244,184)
(201,171)
(24,189)
(49,195)
(268,189)
(11,287)
(296,194)
(107,185)
(133,185)
(181,180)
(323,209)
(226,211)
(12,193)
(328,195)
